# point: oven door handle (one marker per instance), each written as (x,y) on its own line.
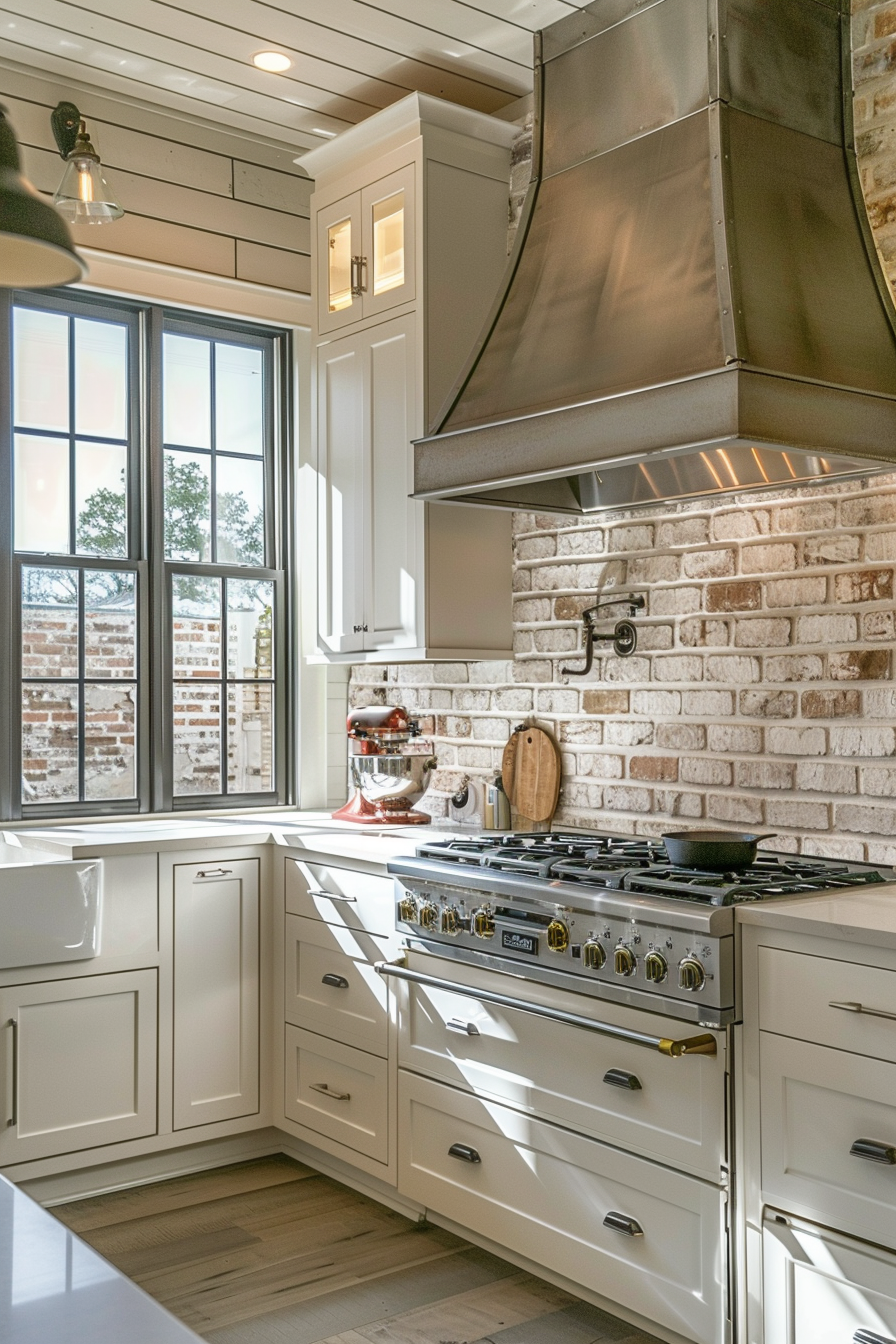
(691,1045)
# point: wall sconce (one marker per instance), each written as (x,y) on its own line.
(83,195)
(36,248)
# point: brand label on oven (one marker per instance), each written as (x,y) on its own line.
(520,942)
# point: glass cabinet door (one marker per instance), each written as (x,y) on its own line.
(339,264)
(387,211)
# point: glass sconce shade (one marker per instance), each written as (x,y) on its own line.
(36,248)
(83,196)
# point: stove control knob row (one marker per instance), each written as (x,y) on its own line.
(593,955)
(557,936)
(691,975)
(452,920)
(428,915)
(624,961)
(484,922)
(656,968)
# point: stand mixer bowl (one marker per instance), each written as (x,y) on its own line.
(392,782)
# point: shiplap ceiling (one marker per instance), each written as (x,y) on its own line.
(350,57)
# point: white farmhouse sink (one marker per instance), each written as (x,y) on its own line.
(50,908)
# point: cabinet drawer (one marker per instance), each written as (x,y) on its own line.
(797,994)
(815,1104)
(337,1091)
(544,1193)
(340,896)
(668,1109)
(331,986)
(820,1288)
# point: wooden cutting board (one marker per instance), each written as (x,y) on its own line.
(508,763)
(535,775)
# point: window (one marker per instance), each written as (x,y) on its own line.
(141,554)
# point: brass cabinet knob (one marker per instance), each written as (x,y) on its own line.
(593,955)
(484,923)
(656,968)
(691,975)
(624,961)
(557,936)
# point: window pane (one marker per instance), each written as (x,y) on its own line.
(196,620)
(250,612)
(41,494)
(388,243)
(250,739)
(40,357)
(186,391)
(240,503)
(49,622)
(197,739)
(49,742)
(101,379)
(188,507)
(110,741)
(110,624)
(239,399)
(100,499)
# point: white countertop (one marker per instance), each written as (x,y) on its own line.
(54,1289)
(858,916)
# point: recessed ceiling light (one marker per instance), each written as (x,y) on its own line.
(274,61)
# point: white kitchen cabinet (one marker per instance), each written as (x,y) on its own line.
(216,991)
(338,1093)
(79,1064)
(410,213)
(330,985)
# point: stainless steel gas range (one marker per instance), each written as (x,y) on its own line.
(601,914)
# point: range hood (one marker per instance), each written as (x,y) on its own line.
(694,304)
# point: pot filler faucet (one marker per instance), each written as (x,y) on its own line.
(624,636)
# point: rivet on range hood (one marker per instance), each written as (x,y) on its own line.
(694,304)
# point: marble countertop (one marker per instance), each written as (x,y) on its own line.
(54,1287)
(863,916)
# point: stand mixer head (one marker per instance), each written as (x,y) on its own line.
(389,765)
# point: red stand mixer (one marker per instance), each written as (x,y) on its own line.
(389,766)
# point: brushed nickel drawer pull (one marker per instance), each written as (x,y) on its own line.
(691,1045)
(214,872)
(333,1093)
(464,1152)
(468,1028)
(334,981)
(871,1337)
(860,1008)
(872,1150)
(620,1222)
(622,1078)
(334,896)
(13,1093)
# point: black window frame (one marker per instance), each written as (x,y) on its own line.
(147,323)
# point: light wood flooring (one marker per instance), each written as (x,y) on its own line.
(271,1252)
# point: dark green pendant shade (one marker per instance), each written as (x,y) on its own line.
(36,248)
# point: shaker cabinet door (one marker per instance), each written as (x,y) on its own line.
(342,433)
(338,264)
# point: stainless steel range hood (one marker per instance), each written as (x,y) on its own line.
(694,304)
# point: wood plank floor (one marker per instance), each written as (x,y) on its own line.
(271,1252)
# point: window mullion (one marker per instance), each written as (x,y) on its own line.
(159,656)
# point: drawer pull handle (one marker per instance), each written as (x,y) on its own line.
(705,1044)
(468,1028)
(334,981)
(620,1222)
(12,1118)
(334,896)
(860,1008)
(873,1151)
(622,1078)
(464,1152)
(332,1092)
(215,872)
(871,1337)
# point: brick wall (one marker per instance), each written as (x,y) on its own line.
(761,694)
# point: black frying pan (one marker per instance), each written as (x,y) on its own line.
(717,851)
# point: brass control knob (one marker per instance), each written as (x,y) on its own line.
(656,968)
(557,936)
(593,955)
(451,920)
(624,961)
(407,910)
(428,915)
(691,974)
(484,922)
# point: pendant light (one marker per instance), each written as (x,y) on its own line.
(83,196)
(36,248)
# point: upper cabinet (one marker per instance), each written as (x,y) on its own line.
(409,230)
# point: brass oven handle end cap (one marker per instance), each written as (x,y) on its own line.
(692,1045)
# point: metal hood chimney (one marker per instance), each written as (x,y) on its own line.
(694,303)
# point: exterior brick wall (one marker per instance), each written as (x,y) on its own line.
(763,691)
